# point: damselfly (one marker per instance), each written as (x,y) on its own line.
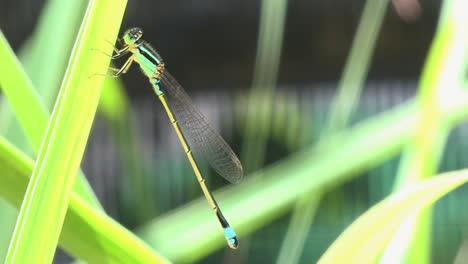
(191,126)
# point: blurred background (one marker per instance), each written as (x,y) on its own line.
(265,74)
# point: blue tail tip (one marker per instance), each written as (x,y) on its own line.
(231,237)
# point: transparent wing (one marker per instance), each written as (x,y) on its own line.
(200,135)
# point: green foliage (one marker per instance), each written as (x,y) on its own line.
(46,199)
(364,240)
(251,204)
(87,233)
(27,105)
(343,106)
(297,182)
(440,82)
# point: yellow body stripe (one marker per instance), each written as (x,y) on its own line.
(188,151)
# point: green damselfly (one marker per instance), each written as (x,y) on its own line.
(189,123)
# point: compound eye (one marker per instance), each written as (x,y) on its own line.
(136,34)
(132,35)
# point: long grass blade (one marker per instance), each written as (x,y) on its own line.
(440,82)
(23,98)
(251,205)
(87,233)
(270,42)
(343,105)
(46,200)
(58,18)
(31,113)
(364,240)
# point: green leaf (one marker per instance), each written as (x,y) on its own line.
(343,107)
(87,233)
(23,98)
(364,240)
(46,199)
(61,18)
(9,214)
(114,103)
(251,205)
(440,83)
(58,18)
(261,94)
(29,110)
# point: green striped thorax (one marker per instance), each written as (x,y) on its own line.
(149,60)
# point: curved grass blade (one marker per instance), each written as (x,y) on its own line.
(23,98)
(200,134)
(343,106)
(31,113)
(87,233)
(57,18)
(46,200)
(61,18)
(365,239)
(251,205)
(441,81)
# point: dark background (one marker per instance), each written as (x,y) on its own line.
(212,43)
